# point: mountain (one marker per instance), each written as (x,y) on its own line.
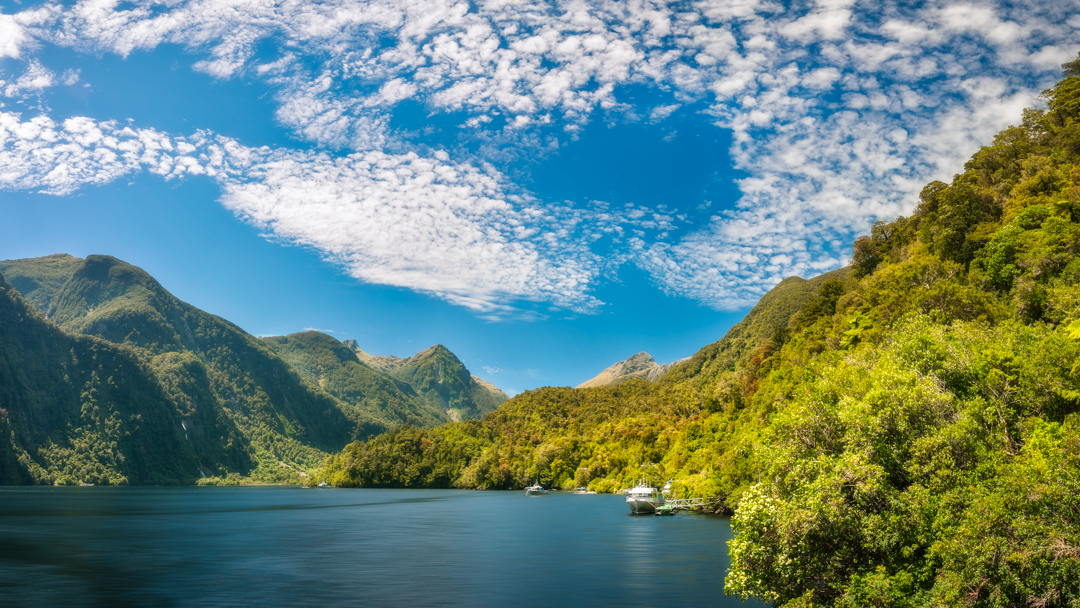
(365,393)
(77,409)
(438,375)
(599,436)
(209,368)
(641,365)
(39,279)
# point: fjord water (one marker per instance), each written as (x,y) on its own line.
(278,546)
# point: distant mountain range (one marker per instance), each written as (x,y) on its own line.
(106,377)
(641,365)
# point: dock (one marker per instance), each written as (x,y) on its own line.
(685,504)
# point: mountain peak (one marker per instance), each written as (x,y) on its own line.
(440,376)
(642,365)
(40,279)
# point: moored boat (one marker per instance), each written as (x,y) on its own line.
(535,489)
(643,498)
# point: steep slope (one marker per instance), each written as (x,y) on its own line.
(40,279)
(76,409)
(767,321)
(367,394)
(641,365)
(208,363)
(438,375)
(605,436)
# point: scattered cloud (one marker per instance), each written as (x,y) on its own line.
(69,78)
(32,81)
(13,37)
(426,224)
(839,113)
(492,370)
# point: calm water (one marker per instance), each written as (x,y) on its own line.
(294,547)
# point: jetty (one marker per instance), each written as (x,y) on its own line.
(685,504)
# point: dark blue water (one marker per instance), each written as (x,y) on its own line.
(294,547)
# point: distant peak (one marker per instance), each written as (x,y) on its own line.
(642,365)
(95,259)
(61,257)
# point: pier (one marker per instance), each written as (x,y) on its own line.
(686,504)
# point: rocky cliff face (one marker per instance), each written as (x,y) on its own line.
(641,365)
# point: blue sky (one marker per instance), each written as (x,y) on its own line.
(544,187)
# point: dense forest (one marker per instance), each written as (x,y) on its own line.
(903,432)
(107,378)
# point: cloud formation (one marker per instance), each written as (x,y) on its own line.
(420,223)
(840,112)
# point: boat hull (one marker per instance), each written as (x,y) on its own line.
(640,506)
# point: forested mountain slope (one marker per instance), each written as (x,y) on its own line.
(367,393)
(268,423)
(905,432)
(442,379)
(39,279)
(606,436)
(79,409)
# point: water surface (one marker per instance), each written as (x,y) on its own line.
(294,547)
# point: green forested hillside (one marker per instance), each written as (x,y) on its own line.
(365,393)
(200,355)
(39,279)
(694,424)
(78,409)
(442,379)
(928,447)
(905,432)
(246,411)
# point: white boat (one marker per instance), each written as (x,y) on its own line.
(643,498)
(535,489)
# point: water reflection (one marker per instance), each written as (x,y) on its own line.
(275,546)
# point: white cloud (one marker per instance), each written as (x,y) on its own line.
(839,112)
(449,229)
(35,79)
(12,37)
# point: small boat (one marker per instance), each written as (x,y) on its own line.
(535,489)
(666,510)
(643,498)
(323,484)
